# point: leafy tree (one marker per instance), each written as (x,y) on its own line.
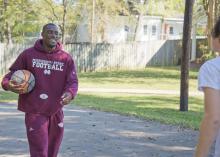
(168,8)
(98,13)
(212,12)
(15,19)
(31,15)
(65,13)
(20,18)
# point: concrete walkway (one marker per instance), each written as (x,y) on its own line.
(136,91)
(90,133)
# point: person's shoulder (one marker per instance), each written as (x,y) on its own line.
(65,53)
(209,73)
(215,63)
(210,67)
(28,50)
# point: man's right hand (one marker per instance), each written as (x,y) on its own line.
(17,88)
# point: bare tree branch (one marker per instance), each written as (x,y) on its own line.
(53,9)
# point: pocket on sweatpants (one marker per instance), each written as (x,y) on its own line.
(59,116)
(35,121)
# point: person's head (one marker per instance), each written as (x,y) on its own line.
(216,36)
(50,34)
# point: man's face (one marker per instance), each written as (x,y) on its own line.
(50,36)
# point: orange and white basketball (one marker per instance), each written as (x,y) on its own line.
(25,78)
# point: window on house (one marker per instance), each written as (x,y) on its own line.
(126,28)
(141,1)
(154,30)
(145,29)
(171,30)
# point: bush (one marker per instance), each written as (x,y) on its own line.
(203,52)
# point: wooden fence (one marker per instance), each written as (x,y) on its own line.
(124,56)
(104,56)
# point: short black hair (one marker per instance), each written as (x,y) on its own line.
(216,29)
(45,26)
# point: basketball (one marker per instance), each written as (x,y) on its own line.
(25,78)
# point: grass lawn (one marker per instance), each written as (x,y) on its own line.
(8,97)
(162,108)
(150,78)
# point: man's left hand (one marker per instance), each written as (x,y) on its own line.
(66,98)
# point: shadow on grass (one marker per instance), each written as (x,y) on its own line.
(164,109)
(153,72)
(161,108)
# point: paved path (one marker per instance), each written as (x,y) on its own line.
(134,91)
(90,133)
(137,91)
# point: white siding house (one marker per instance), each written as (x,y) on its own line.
(148,28)
(172,28)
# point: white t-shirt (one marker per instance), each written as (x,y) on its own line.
(209,76)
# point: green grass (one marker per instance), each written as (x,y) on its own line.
(149,78)
(162,108)
(8,97)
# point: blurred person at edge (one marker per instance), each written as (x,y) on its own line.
(209,83)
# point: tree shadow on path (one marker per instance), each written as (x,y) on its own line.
(90,133)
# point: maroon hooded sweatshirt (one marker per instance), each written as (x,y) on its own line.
(54,74)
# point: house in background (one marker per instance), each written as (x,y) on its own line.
(172,28)
(147,28)
(159,28)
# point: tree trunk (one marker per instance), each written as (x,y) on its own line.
(185,55)
(7,30)
(216,13)
(8,34)
(138,21)
(102,32)
(93,22)
(211,17)
(64,20)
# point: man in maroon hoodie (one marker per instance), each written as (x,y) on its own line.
(56,84)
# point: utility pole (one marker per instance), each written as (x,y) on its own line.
(186,43)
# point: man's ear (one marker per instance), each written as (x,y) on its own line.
(59,36)
(42,34)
